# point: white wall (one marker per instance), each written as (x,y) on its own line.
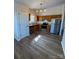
(63,42)
(21,16)
(23,8)
(54,10)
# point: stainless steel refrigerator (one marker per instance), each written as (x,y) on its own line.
(55,26)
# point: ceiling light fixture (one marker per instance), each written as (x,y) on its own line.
(41,9)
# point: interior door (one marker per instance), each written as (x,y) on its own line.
(16,27)
(23,25)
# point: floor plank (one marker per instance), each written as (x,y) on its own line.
(39,46)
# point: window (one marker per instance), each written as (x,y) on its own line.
(32,19)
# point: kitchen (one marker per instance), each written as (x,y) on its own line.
(30,25)
(39,23)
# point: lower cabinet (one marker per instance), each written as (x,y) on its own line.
(34,28)
(31,29)
(37,27)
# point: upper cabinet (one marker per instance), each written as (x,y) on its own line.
(48,17)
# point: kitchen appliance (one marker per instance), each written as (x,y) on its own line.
(55,26)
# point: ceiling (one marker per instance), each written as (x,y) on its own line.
(35,4)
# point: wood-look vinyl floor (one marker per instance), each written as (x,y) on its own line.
(39,46)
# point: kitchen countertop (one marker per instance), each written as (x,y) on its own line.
(33,24)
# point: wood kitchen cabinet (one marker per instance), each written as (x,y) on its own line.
(37,27)
(48,17)
(31,28)
(34,28)
(48,28)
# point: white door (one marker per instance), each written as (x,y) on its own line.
(24,25)
(16,27)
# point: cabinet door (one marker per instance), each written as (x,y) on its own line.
(36,28)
